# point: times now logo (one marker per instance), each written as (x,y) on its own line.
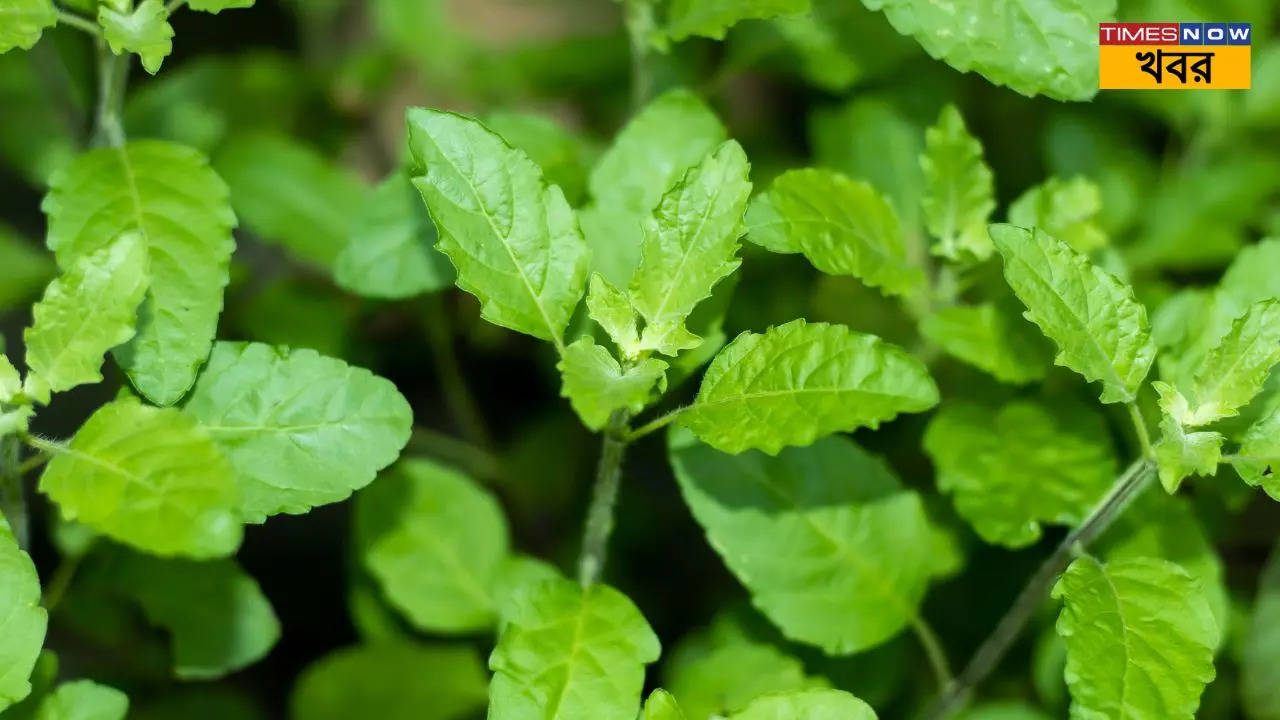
(1174,33)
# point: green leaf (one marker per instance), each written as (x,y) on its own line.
(959,191)
(10,380)
(22,22)
(661,706)
(86,312)
(1258,459)
(1100,329)
(22,619)
(570,652)
(217,6)
(612,311)
(596,384)
(83,700)
(767,227)
(1181,454)
(287,193)
(216,615)
(1065,209)
(436,543)
(167,193)
(711,18)
(1038,47)
(560,155)
(1027,463)
(1006,710)
(690,244)
(991,339)
(391,681)
(800,381)
(832,549)
(631,177)
(300,429)
(725,677)
(843,226)
(148,477)
(513,238)
(391,250)
(1140,638)
(807,705)
(144,30)
(515,572)
(1236,370)
(1260,658)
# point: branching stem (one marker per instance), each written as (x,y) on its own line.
(599,524)
(1128,486)
(934,652)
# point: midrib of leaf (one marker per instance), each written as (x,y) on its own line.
(1082,326)
(105,465)
(850,229)
(842,549)
(475,194)
(469,584)
(563,689)
(687,251)
(1212,390)
(1124,632)
(62,352)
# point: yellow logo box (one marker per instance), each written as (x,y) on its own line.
(1174,67)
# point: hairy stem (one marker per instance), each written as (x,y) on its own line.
(462,405)
(13,499)
(934,652)
(599,524)
(1130,483)
(113,75)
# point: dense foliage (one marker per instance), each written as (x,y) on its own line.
(917,380)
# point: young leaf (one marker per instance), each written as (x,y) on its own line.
(631,177)
(22,619)
(10,380)
(148,477)
(1260,658)
(991,339)
(807,705)
(661,706)
(1100,329)
(218,619)
(22,22)
(1047,48)
(217,6)
(711,18)
(725,677)
(83,700)
(1237,368)
(512,238)
(391,251)
(832,549)
(1140,638)
(1181,454)
(959,192)
(288,193)
(86,312)
(843,226)
(1258,459)
(570,652)
(435,542)
(800,381)
(144,30)
(300,429)
(1022,465)
(690,244)
(1065,209)
(167,193)
(596,385)
(611,309)
(391,681)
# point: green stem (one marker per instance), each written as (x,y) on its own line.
(656,424)
(475,460)
(113,75)
(62,577)
(639,21)
(173,6)
(599,524)
(1128,486)
(462,405)
(13,499)
(79,23)
(933,651)
(1140,427)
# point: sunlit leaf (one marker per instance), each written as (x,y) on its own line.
(144,30)
(22,619)
(959,192)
